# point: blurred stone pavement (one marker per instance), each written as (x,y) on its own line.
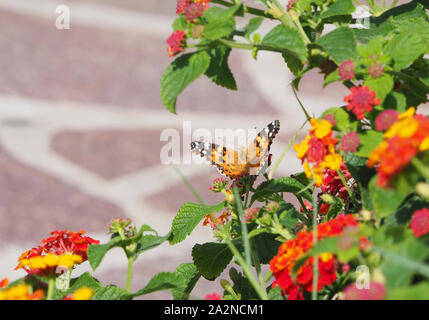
(81,118)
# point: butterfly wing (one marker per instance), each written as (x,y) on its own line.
(258,150)
(226,160)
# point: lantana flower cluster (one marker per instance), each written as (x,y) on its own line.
(191,10)
(317,151)
(361,100)
(64,249)
(406,138)
(292,250)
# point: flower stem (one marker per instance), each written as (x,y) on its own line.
(244,235)
(51,287)
(315,258)
(424,171)
(260,291)
(349,191)
(251,10)
(129,273)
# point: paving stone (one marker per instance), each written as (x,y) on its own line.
(110,153)
(32,204)
(86,64)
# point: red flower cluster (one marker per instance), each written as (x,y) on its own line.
(192,8)
(361,100)
(292,250)
(350,142)
(347,70)
(420,222)
(64,248)
(385,119)
(333,185)
(176,43)
(64,241)
(408,136)
(213,296)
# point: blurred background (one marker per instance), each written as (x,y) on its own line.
(81,118)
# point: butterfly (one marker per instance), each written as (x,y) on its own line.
(245,162)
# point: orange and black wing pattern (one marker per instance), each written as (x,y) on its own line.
(235,164)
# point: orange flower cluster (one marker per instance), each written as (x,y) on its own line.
(64,249)
(318,149)
(21,292)
(292,250)
(408,136)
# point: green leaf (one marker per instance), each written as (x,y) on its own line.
(266,246)
(382,85)
(96,252)
(334,76)
(358,169)
(289,40)
(211,258)
(242,286)
(335,208)
(190,275)
(402,260)
(150,241)
(339,8)
(110,293)
(188,217)
(180,23)
(220,22)
(369,140)
(161,281)
(384,200)
(219,71)
(395,100)
(405,48)
(284,184)
(288,216)
(340,44)
(252,26)
(84,280)
(275,294)
(179,74)
(419,291)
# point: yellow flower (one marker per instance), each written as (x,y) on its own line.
(321,128)
(333,161)
(20,292)
(307,169)
(302,148)
(326,256)
(51,260)
(407,114)
(83,293)
(405,128)
(424,145)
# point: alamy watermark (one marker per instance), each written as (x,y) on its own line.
(63,19)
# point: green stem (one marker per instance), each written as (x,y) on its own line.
(251,10)
(51,287)
(315,258)
(424,171)
(260,291)
(349,191)
(301,105)
(129,273)
(249,46)
(189,185)
(244,234)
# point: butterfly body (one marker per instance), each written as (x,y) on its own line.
(236,164)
